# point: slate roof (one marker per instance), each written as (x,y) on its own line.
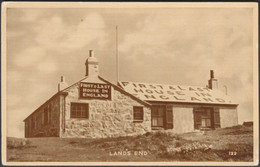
(151,92)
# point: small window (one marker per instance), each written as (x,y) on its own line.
(138,114)
(158,116)
(79,110)
(203,118)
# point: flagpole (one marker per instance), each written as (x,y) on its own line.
(117,57)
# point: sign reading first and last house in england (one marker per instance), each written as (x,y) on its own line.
(95,91)
(175,93)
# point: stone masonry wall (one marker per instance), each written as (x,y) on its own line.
(51,129)
(107,118)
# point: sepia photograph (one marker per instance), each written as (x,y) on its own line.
(110,83)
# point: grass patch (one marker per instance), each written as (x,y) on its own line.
(18,143)
(214,145)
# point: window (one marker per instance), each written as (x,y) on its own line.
(158,116)
(206,118)
(203,118)
(138,113)
(79,110)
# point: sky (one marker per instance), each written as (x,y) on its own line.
(177,46)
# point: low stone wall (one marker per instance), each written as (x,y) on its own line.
(107,118)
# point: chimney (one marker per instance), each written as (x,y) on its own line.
(91,53)
(62,85)
(213,83)
(92,69)
(211,74)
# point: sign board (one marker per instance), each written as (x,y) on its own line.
(175,93)
(95,91)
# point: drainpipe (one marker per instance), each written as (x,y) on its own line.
(63,111)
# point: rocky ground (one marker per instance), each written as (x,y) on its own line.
(226,144)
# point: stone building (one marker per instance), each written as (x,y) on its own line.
(94,107)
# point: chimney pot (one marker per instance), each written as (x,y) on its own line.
(212,83)
(211,74)
(62,85)
(91,65)
(91,53)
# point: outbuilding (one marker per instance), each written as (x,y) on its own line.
(96,108)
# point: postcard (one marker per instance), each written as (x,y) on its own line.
(123,83)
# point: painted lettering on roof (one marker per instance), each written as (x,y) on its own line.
(175,93)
